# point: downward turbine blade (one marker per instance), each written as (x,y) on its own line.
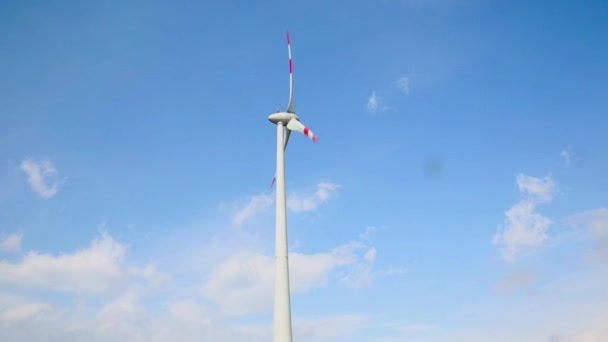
(290,106)
(296,125)
(288,133)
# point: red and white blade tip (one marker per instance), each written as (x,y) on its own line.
(309,134)
(289,54)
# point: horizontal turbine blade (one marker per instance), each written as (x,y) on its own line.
(296,125)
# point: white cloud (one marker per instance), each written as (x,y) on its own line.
(373,103)
(243,283)
(128,311)
(403,84)
(91,270)
(124,318)
(523,227)
(23,312)
(540,189)
(596,222)
(123,304)
(42,177)
(94,270)
(11,243)
(253,207)
(312,270)
(325,191)
(128,319)
(149,273)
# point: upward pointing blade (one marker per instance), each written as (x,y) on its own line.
(290,106)
(295,125)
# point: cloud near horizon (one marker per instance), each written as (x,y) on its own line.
(242,283)
(110,299)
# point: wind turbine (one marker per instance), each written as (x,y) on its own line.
(286,122)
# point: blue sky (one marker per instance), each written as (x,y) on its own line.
(458,191)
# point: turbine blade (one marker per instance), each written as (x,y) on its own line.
(296,125)
(290,106)
(286,138)
(274,179)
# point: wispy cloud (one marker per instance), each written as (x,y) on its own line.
(515,280)
(366,235)
(567,155)
(376,103)
(570,156)
(370,255)
(596,223)
(299,203)
(524,228)
(11,243)
(403,84)
(42,177)
(255,205)
(296,202)
(540,190)
(372,103)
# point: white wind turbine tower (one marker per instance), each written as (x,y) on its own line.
(286,122)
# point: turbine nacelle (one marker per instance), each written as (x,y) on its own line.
(282,117)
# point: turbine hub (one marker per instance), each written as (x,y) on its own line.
(282,117)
